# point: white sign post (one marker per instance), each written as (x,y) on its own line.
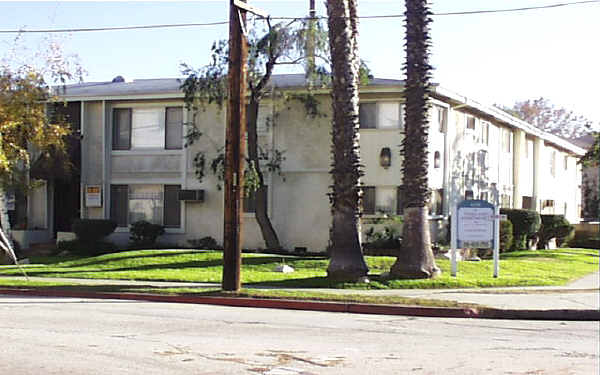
(475,224)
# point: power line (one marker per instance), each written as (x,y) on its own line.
(164,26)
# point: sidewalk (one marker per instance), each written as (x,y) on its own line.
(579,300)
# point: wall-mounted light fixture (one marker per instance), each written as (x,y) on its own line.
(385,157)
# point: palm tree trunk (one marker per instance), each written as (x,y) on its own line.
(261,198)
(347,261)
(416,259)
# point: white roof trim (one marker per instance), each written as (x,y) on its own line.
(506,118)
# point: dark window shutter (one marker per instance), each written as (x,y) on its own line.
(119,204)
(172,207)
(121,135)
(368,200)
(174,128)
(400,200)
(367,114)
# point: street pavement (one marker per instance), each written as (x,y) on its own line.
(76,336)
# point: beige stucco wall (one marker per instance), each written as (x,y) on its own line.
(298,202)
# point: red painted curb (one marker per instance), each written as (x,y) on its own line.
(354,308)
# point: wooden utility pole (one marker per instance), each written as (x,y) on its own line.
(235,146)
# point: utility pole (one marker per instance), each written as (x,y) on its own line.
(310,44)
(235,143)
(235,146)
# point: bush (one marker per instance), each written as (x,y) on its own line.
(385,242)
(144,233)
(92,230)
(83,248)
(526,224)
(506,236)
(207,242)
(585,240)
(553,226)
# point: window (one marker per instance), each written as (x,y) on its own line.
(553,163)
(484,133)
(381,115)
(566,162)
(440,113)
(505,201)
(471,122)
(379,200)
(385,200)
(368,200)
(157,204)
(436,205)
(249,199)
(468,194)
(147,128)
(483,196)
(527,203)
(436,159)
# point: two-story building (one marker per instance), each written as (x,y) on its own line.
(135,164)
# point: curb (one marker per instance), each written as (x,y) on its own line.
(345,307)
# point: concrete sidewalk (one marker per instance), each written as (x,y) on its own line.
(579,300)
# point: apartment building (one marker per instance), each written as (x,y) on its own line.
(134,163)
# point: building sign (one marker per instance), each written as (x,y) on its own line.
(475,224)
(93,196)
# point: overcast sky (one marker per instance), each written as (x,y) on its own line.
(492,58)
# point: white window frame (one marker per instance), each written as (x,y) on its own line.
(142,106)
(378,115)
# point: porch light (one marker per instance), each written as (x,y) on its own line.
(385,157)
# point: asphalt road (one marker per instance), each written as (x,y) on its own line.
(76,336)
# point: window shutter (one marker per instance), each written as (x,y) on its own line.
(174,128)
(172,206)
(121,135)
(400,200)
(368,200)
(119,204)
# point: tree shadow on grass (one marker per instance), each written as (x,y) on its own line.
(95,260)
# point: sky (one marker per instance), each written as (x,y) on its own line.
(491,58)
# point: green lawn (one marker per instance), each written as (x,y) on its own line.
(525,268)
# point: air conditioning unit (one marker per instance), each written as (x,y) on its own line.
(191,195)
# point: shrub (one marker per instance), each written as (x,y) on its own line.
(585,240)
(553,226)
(385,242)
(92,230)
(205,243)
(506,235)
(526,224)
(144,233)
(78,247)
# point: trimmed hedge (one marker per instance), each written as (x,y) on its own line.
(585,241)
(92,230)
(506,235)
(526,224)
(82,248)
(553,226)
(143,233)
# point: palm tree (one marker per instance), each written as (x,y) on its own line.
(347,261)
(416,260)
